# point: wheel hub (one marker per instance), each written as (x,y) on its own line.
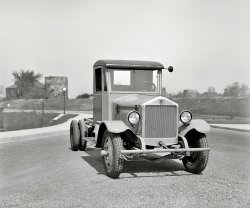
(108,148)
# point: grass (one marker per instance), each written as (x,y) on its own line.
(23,120)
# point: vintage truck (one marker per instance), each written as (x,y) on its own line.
(131,119)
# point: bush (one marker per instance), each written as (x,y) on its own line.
(34,93)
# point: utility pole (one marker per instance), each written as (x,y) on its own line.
(64,98)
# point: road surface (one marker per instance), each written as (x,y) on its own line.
(45,173)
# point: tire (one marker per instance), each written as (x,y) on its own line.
(83,134)
(113,162)
(197,161)
(74,135)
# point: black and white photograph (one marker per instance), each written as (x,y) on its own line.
(129,104)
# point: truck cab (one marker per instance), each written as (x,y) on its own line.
(113,80)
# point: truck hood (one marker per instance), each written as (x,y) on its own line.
(132,100)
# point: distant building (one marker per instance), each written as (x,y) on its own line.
(54,86)
(190,93)
(12,92)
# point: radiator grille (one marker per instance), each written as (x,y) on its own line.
(160,121)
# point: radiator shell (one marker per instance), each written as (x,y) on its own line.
(159,119)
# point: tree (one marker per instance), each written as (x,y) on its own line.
(232,90)
(243,90)
(25,81)
(36,93)
(2,92)
(211,89)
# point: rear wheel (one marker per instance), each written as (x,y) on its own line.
(74,135)
(197,161)
(83,134)
(113,161)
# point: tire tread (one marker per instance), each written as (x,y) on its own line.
(74,135)
(83,142)
(118,160)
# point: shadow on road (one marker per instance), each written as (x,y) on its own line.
(138,168)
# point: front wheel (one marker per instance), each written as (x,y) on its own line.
(113,161)
(197,161)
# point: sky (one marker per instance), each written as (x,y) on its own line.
(206,41)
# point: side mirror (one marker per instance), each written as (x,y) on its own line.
(170,69)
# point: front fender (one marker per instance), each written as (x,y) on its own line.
(197,124)
(113,127)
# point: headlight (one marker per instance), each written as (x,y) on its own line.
(133,117)
(185,117)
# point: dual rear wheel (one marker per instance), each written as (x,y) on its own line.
(78,133)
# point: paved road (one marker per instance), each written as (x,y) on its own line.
(46,173)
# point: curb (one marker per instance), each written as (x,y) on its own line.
(229,128)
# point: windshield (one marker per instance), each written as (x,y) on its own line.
(134,80)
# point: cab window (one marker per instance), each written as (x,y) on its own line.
(98,80)
(134,80)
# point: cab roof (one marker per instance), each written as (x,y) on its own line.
(128,64)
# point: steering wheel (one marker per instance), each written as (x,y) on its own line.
(149,86)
